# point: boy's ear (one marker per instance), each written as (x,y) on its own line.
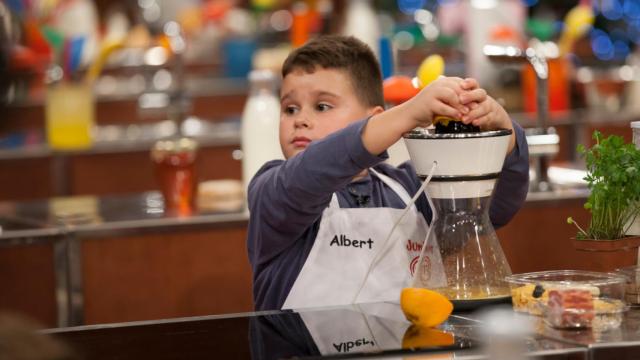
(376,110)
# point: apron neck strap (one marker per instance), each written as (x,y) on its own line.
(391,183)
(394,185)
(334,204)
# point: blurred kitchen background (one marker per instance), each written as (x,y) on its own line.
(171,66)
(140,71)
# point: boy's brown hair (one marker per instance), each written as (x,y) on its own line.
(342,53)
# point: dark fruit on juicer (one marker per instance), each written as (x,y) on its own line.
(445,125)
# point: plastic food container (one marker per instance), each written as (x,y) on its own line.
(632,288)
(580,312)
(570,298)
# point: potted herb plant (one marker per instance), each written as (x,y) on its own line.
(613,177)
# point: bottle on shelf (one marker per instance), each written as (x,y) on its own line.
(362,22)
(260,123)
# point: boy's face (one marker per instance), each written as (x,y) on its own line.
(314,105)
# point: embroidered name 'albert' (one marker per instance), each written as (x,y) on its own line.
(343,240)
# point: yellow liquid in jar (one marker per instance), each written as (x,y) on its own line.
(475,293)
(69,116)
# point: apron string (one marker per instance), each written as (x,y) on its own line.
(334,204)
(391,183)
(394,185)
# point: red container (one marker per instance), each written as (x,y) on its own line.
(558,82)
(174,162)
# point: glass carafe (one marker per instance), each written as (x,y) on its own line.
(463,259)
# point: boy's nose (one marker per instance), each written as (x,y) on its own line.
(302,121)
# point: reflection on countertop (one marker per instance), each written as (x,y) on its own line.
(363,331)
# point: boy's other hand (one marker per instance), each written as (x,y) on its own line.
(485,112)
(441,97)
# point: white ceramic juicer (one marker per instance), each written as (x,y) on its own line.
(462,258)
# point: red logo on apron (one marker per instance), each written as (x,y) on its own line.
(426,267)
(412,265)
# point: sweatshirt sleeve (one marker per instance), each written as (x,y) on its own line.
(513,184)
(287,197)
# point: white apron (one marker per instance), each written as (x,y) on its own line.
(346,245)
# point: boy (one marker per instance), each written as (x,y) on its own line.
(318,217)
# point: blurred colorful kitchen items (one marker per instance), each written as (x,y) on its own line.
(70,115)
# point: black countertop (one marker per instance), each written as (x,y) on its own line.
(356,331)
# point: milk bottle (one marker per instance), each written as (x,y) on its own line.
(260,121)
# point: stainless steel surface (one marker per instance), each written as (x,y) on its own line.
(141,212)
(16,230)
(426,133)
(92,216)
(61,274)
(121,85)
(121,139)
(76,290)
(68,281)
(543,144)
(557,195)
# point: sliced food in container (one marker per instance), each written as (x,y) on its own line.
(570,299)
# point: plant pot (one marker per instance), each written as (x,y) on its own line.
(608,255)
(622,244)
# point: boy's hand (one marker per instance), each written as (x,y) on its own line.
(448,96)
(441,97)
(485,112)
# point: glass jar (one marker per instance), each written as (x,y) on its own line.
(174,162)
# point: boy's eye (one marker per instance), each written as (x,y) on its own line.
(323,107)
(290,110)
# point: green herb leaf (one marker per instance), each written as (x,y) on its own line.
(613,176)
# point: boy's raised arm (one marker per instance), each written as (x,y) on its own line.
(287,197)
(513,184)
